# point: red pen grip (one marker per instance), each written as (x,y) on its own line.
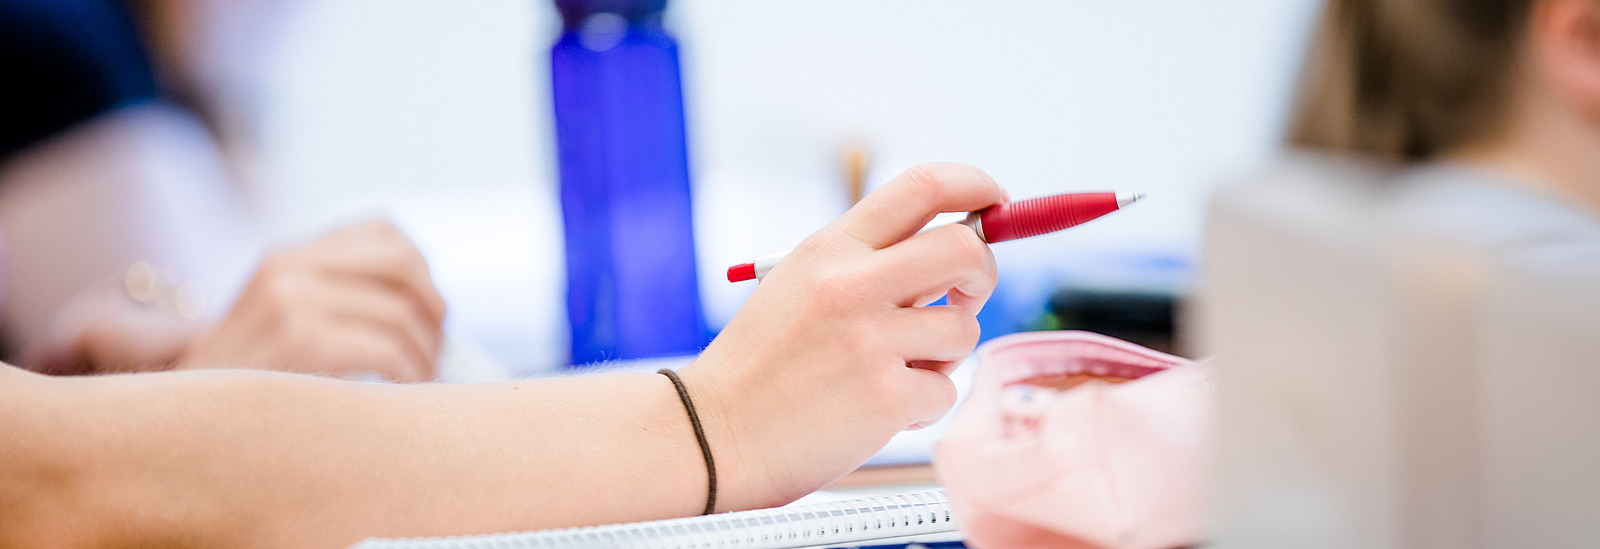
(1046,214)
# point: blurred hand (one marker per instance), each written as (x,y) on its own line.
(356,301)
(836,351)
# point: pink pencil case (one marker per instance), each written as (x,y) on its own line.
(1074,439)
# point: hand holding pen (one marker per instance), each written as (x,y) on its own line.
(998,223)
(839,349)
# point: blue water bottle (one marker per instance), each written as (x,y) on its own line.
(631,285)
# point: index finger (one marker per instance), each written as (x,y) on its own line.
(906,203)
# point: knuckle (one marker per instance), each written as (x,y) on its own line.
(398,257)
(895,391)
(944,394)
(286,287)
(403,254)
(903,398)
(393,259)
(923,181)
(969,249)
(990,267)
(961,326)
(414,260)
(968,330)
(439,310)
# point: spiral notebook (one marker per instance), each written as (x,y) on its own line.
(912,516)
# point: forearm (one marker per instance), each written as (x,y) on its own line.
(234,458)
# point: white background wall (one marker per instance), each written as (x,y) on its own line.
(438,113)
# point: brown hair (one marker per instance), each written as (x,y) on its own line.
(1406,79)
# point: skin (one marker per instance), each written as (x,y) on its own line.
(1552,140)
(830,357)
(147,184)
(359,300)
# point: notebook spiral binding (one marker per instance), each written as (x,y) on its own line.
(879,517)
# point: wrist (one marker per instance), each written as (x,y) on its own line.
(732,432)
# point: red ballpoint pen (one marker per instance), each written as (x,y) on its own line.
(999,223)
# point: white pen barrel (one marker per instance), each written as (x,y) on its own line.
(767,262)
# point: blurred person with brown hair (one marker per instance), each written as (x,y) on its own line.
(122,216)
(1505,86)
(1404,310)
